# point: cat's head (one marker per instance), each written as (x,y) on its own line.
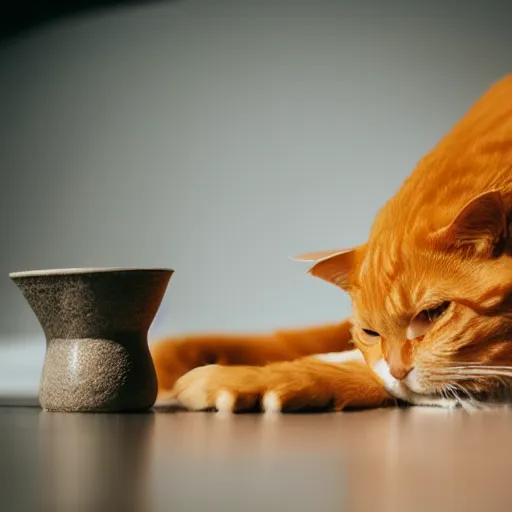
(432,313)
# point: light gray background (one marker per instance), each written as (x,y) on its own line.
(219,138)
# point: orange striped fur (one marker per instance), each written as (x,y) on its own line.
(431,294)
(176,356)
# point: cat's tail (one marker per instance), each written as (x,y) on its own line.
(173,357)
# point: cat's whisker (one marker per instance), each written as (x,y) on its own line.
(445,373)
(469,406)
(467,363)
(466,405)
(472,404)
(487,374)
(469,403)
(475,367)
(501,378)
(456,397)
(448,393)
(455,381)
(490,367)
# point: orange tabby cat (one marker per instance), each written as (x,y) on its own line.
(431,292)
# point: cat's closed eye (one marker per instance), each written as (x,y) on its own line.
(431,314)
(370,332)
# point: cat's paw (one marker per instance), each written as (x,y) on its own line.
(245,388)
(225,388)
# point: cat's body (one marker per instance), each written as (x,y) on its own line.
(432,314)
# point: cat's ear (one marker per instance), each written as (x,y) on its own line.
(480,226)
(334,266)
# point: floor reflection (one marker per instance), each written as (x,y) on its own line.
(387,460)
(94,461)
(242,463)
(426,459)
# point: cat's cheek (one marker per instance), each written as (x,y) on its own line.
(402,391)
(413,383)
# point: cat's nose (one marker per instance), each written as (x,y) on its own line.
(399,371)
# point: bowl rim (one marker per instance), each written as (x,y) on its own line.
(84,270)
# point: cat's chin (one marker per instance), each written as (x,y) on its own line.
(402,392)
(470,402)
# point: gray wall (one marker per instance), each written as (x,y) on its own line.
(219,138)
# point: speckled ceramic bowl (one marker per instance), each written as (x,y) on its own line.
(96,323)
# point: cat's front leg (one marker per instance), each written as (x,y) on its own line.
(305,384)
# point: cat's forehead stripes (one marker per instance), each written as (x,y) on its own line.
(392,288)
(384,260)
(397,302)
(380,273)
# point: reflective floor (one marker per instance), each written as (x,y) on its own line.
(383,460)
